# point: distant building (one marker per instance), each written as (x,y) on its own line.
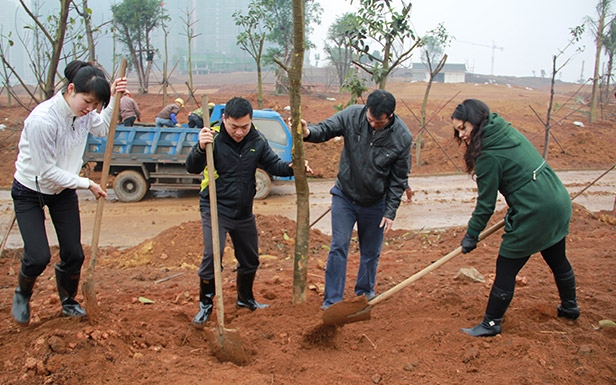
(451,73)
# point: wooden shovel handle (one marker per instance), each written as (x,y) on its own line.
(209,153)
(98,218)
(432,267)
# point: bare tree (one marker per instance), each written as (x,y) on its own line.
(434,52)
(189,32)
(597,26)
(255,28)
(576,35)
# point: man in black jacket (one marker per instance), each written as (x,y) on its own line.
(238,148)
(372,175)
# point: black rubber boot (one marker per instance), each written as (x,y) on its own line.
(67,289)
(566,290)
(497,306)
(21,299)
(207,290)
(245,298)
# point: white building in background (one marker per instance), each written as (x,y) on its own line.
(451,73)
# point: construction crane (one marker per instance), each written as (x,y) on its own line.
(493,46)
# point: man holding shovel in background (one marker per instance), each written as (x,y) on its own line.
(238,149)
(372,175)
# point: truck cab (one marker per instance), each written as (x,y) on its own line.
(146,157)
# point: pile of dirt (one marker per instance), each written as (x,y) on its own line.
(144,332)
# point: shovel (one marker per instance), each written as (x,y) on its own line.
(88,289)
(358,309)
(226,343)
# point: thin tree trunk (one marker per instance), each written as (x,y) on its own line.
(547,120)
(302,233)
(57,44)
(595,80)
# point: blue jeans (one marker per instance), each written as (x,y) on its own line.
(345,213)
(160,122)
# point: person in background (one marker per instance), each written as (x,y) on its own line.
(129,110)
(50,154)
(503,160)
(238,149)
(167,117)
(372,176)
(195,118)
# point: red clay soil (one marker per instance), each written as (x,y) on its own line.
(413,337)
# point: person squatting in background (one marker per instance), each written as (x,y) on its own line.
(167,117)
(502,159)
(50,155)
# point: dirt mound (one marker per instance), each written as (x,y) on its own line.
(412,337)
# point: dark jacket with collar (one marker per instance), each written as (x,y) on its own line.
(235,164)
(374,165)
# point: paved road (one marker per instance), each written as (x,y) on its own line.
(438,202)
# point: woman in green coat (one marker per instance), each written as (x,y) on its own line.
(503,160)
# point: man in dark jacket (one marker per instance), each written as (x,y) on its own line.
(372,175)
(238,149)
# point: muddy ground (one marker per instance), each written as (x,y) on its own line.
(412,337)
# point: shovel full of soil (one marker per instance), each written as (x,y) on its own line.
(358,308)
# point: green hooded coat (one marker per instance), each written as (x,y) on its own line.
(539,205)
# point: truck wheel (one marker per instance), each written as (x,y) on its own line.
(264,184)
(130,186)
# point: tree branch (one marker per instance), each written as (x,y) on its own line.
(36,20)
(281,64)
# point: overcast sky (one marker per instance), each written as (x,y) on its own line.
(530,32)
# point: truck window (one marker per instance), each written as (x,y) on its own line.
(272,129)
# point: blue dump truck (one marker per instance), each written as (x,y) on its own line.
(146,157)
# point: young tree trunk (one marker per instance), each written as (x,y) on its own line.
(595,79)
(57,44)
(87,19)
(165,66)
(547,120)
(259,84)
(300,265)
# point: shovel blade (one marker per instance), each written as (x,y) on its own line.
(89,295)
(349,311)
(227,345)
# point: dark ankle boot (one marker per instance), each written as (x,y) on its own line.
(497,306)
(566,290)
(21,299)
(206,302)
(67,289)
(245,298)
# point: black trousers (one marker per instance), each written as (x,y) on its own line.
(64,211)
(195,121)
(507,269)
(243,233)
(130,121)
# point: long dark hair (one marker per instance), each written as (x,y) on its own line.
(88,79)
(476,113)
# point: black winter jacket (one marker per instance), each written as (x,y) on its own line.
(235,165)
(374,165)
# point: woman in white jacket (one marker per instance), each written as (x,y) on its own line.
(50,156)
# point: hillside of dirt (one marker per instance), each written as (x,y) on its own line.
(148,293)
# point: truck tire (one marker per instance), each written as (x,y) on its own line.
(264,184)
(130,186)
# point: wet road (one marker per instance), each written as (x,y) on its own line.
(438,202)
